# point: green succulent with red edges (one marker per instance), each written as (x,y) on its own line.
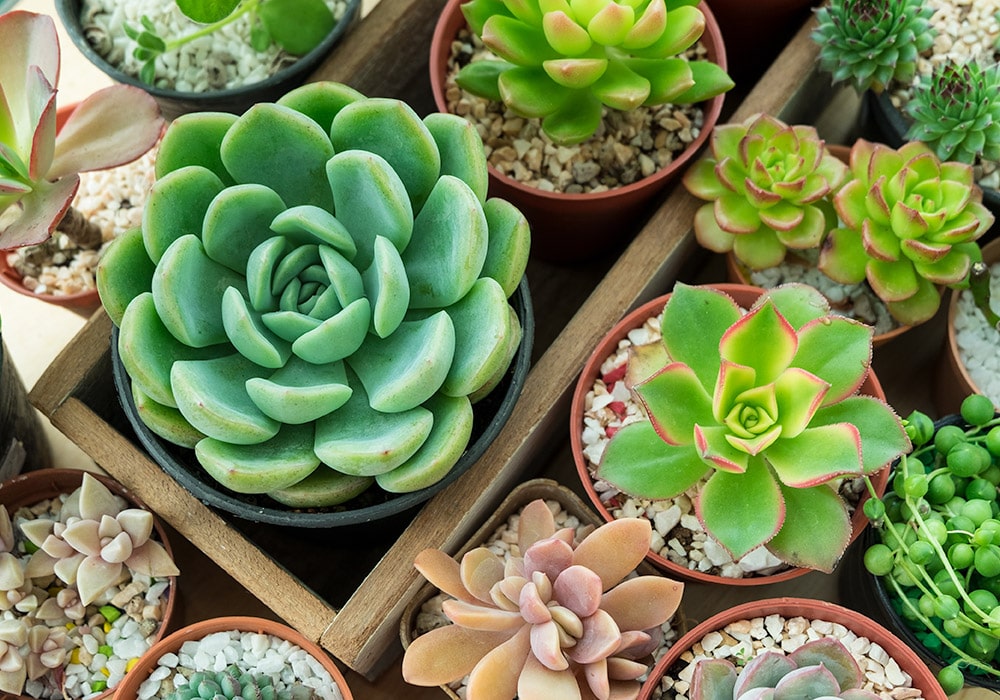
(563,61)
(763,406)
(767,185)
(909,224)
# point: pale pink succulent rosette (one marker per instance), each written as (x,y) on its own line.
(564,620)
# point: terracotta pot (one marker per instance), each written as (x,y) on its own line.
(174,103)
(952,382)
(576,227)
(128,689)
(83,303)
(907,659)
(744,295)
(34,487)
(517,499)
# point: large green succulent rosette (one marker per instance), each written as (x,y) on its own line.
(318,294)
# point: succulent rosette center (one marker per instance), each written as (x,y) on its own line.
(323,294)
(763,407)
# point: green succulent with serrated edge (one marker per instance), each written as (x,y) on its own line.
(821,668)
(767,185)
(956,111)
(763,405)
(909,222)
(564,60)
(869,43)
(317,294)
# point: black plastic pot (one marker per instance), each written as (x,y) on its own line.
(863,591)
(236,100)
(490,415)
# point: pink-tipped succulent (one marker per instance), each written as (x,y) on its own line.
(563,61)
(38,167)
(767,185)
(822,668)
(763,407)
(96,542)
(561,620)
(909,224)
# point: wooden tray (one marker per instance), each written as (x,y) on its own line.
(352,601)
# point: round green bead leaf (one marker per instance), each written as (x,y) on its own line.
(482,327)
(176,207)
(283,460)
(237,221)
(124,272)
(323,488)
(301,392)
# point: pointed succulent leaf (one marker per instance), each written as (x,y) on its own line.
(642,602)
(565,35)
(648,27)
(883,438)
(165,421)
(548,557)
(817,681)
(697,307)
(95,576)
(763,671)
(41,211)
(798,303)
(611,24)
(764,326)
(742,511)
(713,679)
(479,617)
(118,549)
(387,287)
(443,572)
(638,462)
(532,608)
(675,402)
(531,92)
(712,236)
(95,500)
(759,250)
(893,281)
(516,42)
(817,455)
(137,522)
(152,559)
(842,256)
(482,323)
(799,394)
(536,523)
(479,571)
(482,78)
(601,637)
(497,674)
(621,88)
(668,77)
(248,334)
(576,73)
(447,653)
(83,536)
(710,80)
(836,350)
(614,550)
(715,447)
(701,181)
(918,307)
(334,338)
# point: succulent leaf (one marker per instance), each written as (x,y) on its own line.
(742,511)
(638,463)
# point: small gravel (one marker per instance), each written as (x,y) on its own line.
(260,654)
(978,342)
(223,59)
(627,147)
(742,640)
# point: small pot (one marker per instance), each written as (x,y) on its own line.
(174,103)
(570,228)
(34,487)
(129,688)
(862,626)
(744,295)
(952,381)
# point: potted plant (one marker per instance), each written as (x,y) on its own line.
(900,221)
(42,155)
(548,612)
(208,56)
(933,559)
(88,583)
(779,630)
(563,77)
(331,355)
(751,425)
(269,659)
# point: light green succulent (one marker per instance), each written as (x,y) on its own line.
(234,684)
(909,223)
(956,111)
(763,406)
(870,43)
(317,294)
(564,60)
(767,185)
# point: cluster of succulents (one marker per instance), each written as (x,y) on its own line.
(758,409)
(39,168)
(59,569)
(821,668)
(318,294)
(870,43)
(767,186)
(956,111)
(909,223)
(233,684)
(562,619)
(564,61)
(937,547)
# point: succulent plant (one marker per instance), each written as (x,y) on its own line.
(909,222)
(13,636)
(564,60)
(357,296)
(870,43)
(233,684)
(95,542)
(821,668)
(956,111)
(556,621)
(762,406)
(38,167)
(767,185)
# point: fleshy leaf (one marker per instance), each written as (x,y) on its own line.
(817,455)
(300,392)
(742,511)
(712,312)
(882,433)
(838,351)
(638,462)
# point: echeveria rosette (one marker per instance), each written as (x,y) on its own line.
(909,223)
(763,405)
(869,43)
(956,111)
(767,185)
(563,61)
(319,281)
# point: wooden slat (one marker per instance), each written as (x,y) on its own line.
(74,362)
(367,625)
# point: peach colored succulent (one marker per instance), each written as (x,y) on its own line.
(13,635)
(562,620)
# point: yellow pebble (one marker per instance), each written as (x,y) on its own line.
(105,671)
(70,625)
(107,626)
(131,664)
(74,657)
